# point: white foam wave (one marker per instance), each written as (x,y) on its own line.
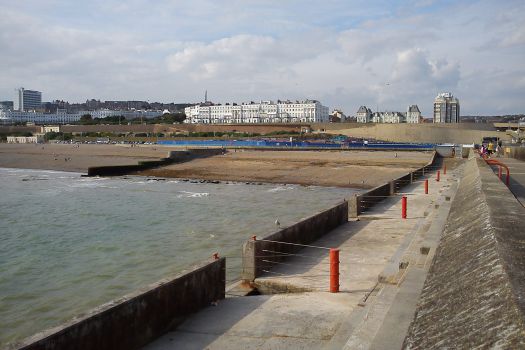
(186,194)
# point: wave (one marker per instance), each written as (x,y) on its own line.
(186,194)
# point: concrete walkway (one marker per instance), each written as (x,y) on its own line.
(384,261)
(517,177)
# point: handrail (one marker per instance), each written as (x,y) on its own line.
(500,164)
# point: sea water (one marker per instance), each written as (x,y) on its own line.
(70,243)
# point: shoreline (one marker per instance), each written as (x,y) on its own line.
(349,169)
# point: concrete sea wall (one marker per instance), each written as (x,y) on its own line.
(137,319)
(474,294)
(303,232)
(433,133)
(360,203)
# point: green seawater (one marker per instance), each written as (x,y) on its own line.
(69,244)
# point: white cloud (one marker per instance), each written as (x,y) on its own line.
(341,52)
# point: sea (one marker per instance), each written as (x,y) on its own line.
(70,243)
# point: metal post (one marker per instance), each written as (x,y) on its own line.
(334,270)
(444,169)
(404,207)
(426,186)
(437,178)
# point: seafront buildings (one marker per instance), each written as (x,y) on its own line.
(62,117)
(309,111)
(412,115)
(446,108)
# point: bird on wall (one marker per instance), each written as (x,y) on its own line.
(277,223)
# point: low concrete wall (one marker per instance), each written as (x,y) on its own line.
(119,170)
(474,294)
(137,319)
(360,203)
(173,157)
(303,232)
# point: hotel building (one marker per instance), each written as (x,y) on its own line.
(309,111)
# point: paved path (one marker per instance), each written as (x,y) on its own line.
(517,177)
(377,298)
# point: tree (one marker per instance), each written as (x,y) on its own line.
(86,119)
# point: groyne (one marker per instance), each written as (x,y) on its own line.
(363,201)
(172,158)
(137,319)
(474,294)
(303,232)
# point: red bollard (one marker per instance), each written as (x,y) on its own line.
(444,169)
(215,256)
(507,180)
(437,177)
(499,172)
(426,186)
(254,238)
(334,270)
(404,207)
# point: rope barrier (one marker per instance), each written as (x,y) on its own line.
(294,244)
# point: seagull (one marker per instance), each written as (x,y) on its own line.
(277,223)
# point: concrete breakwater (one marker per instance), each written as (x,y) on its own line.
(474,294)
(173,157)
(139,318)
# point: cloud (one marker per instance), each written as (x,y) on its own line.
(340,52)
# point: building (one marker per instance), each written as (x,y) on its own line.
(365,115)
(29,100)
(337,116)
(309,111)
(413,114)
(446,108)
(7,105)
(62,117)
(38,138)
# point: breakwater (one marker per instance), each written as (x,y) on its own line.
(474,294)
(172,158)
(137,319)
(302,145)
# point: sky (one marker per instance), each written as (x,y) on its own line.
(386,55)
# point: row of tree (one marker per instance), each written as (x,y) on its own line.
(167,118)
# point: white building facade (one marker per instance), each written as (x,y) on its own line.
(365,115)
(309,111)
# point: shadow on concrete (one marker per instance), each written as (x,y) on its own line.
(205,327)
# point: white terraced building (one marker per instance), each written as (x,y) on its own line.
(365,115)
(309,111)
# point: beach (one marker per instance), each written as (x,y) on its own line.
(357,169)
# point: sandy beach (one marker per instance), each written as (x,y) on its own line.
(66,157)
(362,169)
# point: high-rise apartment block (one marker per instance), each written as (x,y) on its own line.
(446,108)
(29,100)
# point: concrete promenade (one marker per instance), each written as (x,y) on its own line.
(384,262)
(517,177)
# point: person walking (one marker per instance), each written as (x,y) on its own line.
(490,148)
